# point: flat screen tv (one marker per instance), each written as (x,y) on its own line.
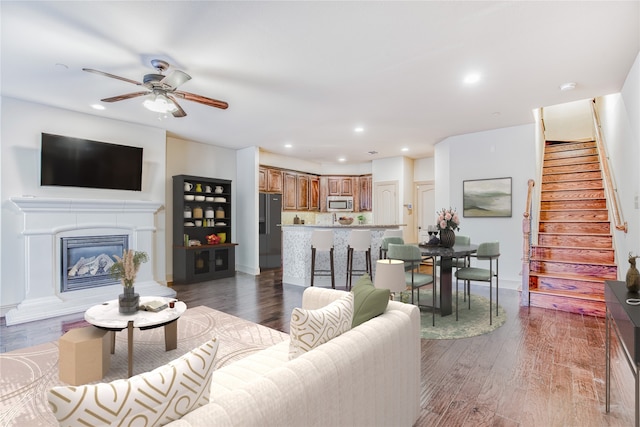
(76,162)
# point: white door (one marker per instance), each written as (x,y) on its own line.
(385,203)
(425,208)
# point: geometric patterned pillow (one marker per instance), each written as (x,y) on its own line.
(151,398)
(310,328)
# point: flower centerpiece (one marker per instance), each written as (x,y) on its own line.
(448,222)
(125,270)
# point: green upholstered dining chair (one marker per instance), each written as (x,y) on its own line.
(488,251)
(412,258)
(384,244)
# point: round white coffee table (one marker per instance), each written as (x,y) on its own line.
(107,316)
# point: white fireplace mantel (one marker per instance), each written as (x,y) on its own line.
(47,220)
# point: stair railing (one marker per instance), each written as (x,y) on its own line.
(610,185)
(529,220)
(526,244)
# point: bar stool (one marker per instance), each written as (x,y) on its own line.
(322,240)
(359,240)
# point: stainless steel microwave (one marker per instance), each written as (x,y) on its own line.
(339,204)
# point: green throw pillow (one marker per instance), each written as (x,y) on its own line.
(368,301)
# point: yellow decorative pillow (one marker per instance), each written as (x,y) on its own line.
(310,328)
(152,398)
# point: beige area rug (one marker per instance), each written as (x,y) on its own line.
(27,374)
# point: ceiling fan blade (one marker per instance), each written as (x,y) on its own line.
(179,112)
(175,79)
(123,97)
(201,99)
(113,76)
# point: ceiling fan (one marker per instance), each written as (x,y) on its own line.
(161,90)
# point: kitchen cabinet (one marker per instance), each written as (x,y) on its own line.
(302,192)
(339,186)
(270,180)
(201,206)
(290,191)
(314,193)
(364,201)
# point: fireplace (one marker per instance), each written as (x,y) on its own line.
(58,233)
(86,260)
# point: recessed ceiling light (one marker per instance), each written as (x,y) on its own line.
(472,78)
(404,149)
(342,159)
(288,145)
(568,86)
(97,107)
(359,129)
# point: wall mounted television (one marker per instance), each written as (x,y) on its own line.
(75,162)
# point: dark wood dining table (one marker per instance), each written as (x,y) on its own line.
(446,256)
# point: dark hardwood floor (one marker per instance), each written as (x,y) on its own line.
(541,368)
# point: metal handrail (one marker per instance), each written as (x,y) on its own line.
(610,186)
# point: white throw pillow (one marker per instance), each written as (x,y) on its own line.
(310,328)
(152,398)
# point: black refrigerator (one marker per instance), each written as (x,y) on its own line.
(269,230)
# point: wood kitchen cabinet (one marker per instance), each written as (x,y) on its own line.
(270,180)
(314,193)
(290,191)
(339,186)
(364,202)
(302,193)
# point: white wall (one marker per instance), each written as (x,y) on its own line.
(21,126)
(423,169)
(247,211)
(194,158)
(507,152)
(289,162)
(620,123)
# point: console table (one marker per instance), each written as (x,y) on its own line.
(624,319)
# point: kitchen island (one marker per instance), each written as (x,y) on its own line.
(296,252)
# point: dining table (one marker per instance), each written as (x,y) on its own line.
(446,255)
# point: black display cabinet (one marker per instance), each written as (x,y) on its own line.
(201,207)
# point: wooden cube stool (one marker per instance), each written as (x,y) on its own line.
(84,355)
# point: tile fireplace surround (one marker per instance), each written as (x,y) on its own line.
(47,221)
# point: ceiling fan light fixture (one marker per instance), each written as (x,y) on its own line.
(159,103)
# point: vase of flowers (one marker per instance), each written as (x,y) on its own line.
(125,270)
(448,223)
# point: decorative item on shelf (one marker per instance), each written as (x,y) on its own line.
(220,212)
(220,199)
(187,212)
(212,239)
(207,189)
(200,198)
(633,276)
(218,189)
(197,212)
(198,188)
(189,197)
(209,199)
(223,237)
(208,213)
(448,222)
(188,186)
(361,219)
(125,269)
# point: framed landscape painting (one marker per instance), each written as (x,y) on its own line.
(486,198)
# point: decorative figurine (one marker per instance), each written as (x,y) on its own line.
(633,276)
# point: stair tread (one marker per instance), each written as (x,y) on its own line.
(568,294)
(569,276)
(561,261)
(572,247)
(571,234)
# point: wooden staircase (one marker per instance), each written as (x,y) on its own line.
(574,253)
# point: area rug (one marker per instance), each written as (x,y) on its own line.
(470,323)
(27,374)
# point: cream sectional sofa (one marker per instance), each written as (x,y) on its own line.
(368,376)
